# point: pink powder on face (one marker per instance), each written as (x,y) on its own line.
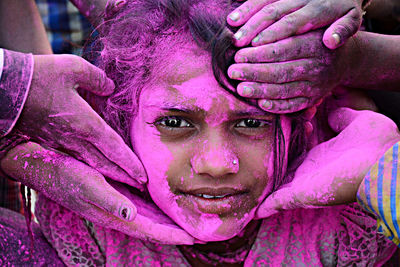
(197,158)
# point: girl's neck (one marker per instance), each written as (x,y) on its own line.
(231,252)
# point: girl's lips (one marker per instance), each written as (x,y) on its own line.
(221,204)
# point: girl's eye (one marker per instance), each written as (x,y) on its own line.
(174,122)
(252,123)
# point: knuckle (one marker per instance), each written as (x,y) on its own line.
(270,13)
(286,90)
(274,52)
(356,16)
(344,30)
(325,7)
(290,22)
(258,91)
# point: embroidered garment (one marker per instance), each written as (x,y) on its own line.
(333,236)
(15,245)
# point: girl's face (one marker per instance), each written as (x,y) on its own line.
(208,156)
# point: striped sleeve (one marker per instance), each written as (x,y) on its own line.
(379,193)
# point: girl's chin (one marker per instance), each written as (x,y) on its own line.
(212,237)
(207,232)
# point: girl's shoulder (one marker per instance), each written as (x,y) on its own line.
(80,242)
(330,236)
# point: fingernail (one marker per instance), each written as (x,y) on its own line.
(142,179)
(256,39)
(238,35)
(266,104)
(234,16)
(125,213)
(236,74)
(241,59)
(119,3)
(246,91)
(336,38)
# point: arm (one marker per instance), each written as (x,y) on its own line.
(94,10)
(375,62)
(16,76)
(379,193)
(385,15)
(22,28)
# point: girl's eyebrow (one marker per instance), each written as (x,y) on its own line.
(192,109)
(176,108)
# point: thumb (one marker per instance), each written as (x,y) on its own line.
(282,199)
(341,118)
(342,29)
(91,78)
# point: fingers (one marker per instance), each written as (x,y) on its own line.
(300,21)
(282,199)
(344,28)
(241,14)
(68,182)
(117,155)
(88,153)
(274,91)
(261,20)
(297,70)
(292,48)
(147,229)
(88,76)
(115,150)
(341,118)
(284,106)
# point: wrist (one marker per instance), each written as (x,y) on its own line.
(352,61)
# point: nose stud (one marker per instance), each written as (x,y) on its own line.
(234,162)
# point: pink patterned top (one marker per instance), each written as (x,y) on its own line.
(333,236)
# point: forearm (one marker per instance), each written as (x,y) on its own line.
(384,10)
(374,62)
(91,9)
(22,28)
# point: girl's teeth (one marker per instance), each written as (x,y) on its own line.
(208,196)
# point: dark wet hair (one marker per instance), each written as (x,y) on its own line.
(130,45)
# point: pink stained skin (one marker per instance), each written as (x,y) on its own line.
(187,133)
(72,125)
(267,21)
(291,74)
(332,171)
(85,191)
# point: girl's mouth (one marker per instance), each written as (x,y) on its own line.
(214,200)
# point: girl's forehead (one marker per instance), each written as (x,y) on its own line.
(186,77)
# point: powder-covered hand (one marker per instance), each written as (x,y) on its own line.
(85,191)
(55,115)
(332,171)
(291,74)
(267,21)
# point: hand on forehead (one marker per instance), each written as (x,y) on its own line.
(285,74)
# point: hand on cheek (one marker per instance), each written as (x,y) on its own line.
(289,75)
(55,114)
(84,191)
(267,21)
(332,171)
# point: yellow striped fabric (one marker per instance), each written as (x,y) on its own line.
(379,193)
